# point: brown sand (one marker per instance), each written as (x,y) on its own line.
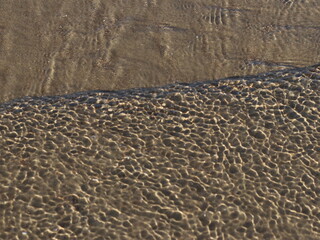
(228,159)
(59,47)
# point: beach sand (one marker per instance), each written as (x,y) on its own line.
(62,47)
(234,158)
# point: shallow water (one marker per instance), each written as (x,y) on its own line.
(235,158)
(59,47)
(229,159)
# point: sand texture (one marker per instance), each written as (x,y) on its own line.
(61,47)
(235,158)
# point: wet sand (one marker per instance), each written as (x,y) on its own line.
(234,158)
(60,47)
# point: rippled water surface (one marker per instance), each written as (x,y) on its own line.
(58,47)
(226,159)
(210,158)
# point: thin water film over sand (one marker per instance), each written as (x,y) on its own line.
(229,159)
(60,47)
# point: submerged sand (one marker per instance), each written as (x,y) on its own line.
(60,47)
(236,158)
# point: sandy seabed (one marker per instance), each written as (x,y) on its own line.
(235,158)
